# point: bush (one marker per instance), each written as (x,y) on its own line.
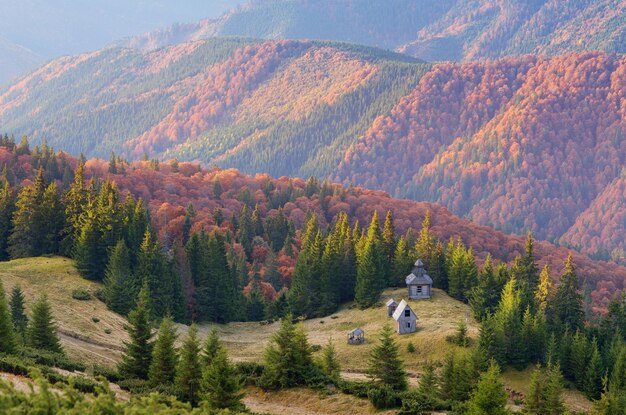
(81,294)
(99,294)
(250,372)
(47,358)
(95,319)
(383,397)
(107,331)
(460,338)
(135,386)
(109,374)
(316,348)
(417,403)
(16,365)
(410,347)
(358,389)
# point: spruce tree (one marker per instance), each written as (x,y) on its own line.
(594,374)
(7,207)
(287,357)
(329,363)
(402,263)
(508,319)
(544,290)
(385,365)
(389,244)
(41,332)
(164,356)
(489,397)
(211,347)
(544,395)
(188,371)
(8,343)
(28,224)
(120,288)
(138,354)
(18,313)
(429,382)
(305,284)
(76,200)
(567,307)
(367,290)
(221,383)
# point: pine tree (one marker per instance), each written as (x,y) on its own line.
(567,308)
(211,347)
(367,290)
(138,354)
(7,207)
(18,313)
(544,290)
(188,372)
(272,274)
(120,287)
(329,363)
(8,343)
(221,383)
(594,374)
(41,332)
(164,357)
(489,397)
(385,365)
(287,358)
(579,359)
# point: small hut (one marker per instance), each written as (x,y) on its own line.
(418,282)
(391,307)
(406,319)
(356,336)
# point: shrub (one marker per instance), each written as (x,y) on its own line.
(16,365)
(95,319)
(383,397)
(81,294)
(135,386)
(109,374)
(417,403)
(316,348)
(410,347)
(48,358)
(99,294)
(358,389)
(250,372)
(107,331)
(460,338)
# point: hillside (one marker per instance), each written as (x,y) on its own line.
(543,135)
(86,340)
(167,191)
(442,30)
(16,61)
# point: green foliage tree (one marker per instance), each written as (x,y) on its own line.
(7,207)
(8,341)
(41,332)
(221,384)
(287,358)
(305,291)
(120,287)
(544,395)
(329,363)
(138,354)
(164,356)
(189,372)
(489,397)
(385,365)
(567,306)
(18,313)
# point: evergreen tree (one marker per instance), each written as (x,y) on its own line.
(385,365)
(544,292)
(272,274)
(389,244)
(120,287)
(221,383)
(41,332)
(27,237)
(484,296)
(305,291)
(489,397)
(429,382)
(329,363)
(578,359)
(594,375)
(138,354)
(190,214)
(528,277)
(331,262)
(112,164)
(287,358)
(508,319)
(76,200)
(255,305)
(567,307)
(8,343)
(367,290)
(188,371)
(164,357)
(7,207)
(18,313)
(402,263)
(211,347)
(544,395)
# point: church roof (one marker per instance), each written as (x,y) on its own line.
(418,276)
(391,302)
(400,310)
(357,331)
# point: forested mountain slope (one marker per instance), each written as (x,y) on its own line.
(168,188)
(16,60)
(432,30)
(543,135)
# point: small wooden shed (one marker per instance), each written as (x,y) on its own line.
(391,307)
(419,283)
(405,317)
(356,336)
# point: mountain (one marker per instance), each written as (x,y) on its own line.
(432,30)
(16,60)
(518,144)
(167,188)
